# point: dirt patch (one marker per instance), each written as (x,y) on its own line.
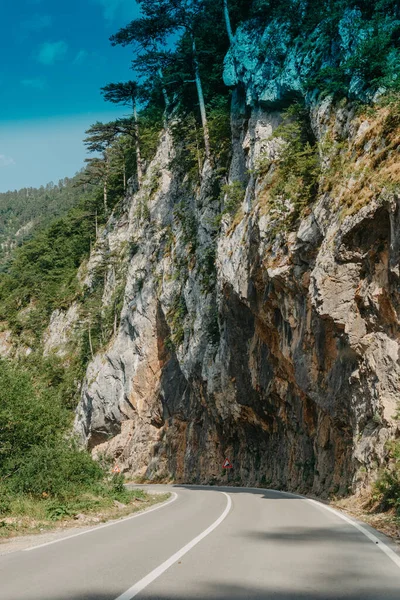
(359,508)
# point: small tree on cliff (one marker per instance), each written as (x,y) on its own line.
(127,93)
(164,18)
(148,44)
(99,138)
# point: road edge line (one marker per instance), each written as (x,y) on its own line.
(158,571)
(380,544)
(141,513)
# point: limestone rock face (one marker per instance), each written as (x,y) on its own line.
(274,67)
(277,348)
(60,330)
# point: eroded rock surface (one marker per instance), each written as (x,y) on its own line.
(278,348)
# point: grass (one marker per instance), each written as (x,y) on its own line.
(370,164)
(29,515)
(359,507)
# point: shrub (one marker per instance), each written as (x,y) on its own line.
(294,174)
(35,456)
(5,501)
(387,486)
(176,319)
(56,470)
(233,194)
(28,417)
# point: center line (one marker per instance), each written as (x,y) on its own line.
(143,583)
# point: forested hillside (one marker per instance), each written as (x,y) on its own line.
(23,212)
(221,277)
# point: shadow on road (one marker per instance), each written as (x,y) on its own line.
(264,493)
(301,535)
(227,592)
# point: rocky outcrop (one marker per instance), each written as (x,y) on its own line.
(60,331)
(241,336)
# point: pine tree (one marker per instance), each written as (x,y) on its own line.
(164,18)
(149,43)
(99,138)
(127,93)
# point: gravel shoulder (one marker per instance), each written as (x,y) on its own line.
(385,522)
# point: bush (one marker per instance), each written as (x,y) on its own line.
(234,194)
(387,486)
(294,175)
(35,456)
(58,470)
(28,417)
(5,501)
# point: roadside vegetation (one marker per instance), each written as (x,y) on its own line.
(386,491)
(44,475)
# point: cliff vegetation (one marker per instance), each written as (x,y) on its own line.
(222,277)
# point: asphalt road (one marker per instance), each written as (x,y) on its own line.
(212,543)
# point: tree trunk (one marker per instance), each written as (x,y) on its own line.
(105,183)
(137,144)
(90,339)
(228,23)
(124,173)
(198,150)
(105,194)
(199,86)
(164,90)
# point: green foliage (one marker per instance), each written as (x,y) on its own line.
(58,511)
(33,209)
(117,483)
(5,501)
(42,274)
(57,470)
(185,217)
(29,417)
(35,456)
(38,462)
(314,26)
(233,194)
(294,175)
(387,486)
(219,117)
(213,332)
(176,320)
(330,80)
(208,269)
(189,148)
(150,127)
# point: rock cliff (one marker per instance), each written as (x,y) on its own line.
(268,334)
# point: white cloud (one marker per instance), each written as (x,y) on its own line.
(37,83)
(127,9)
(6,161)
(80,57)
(50,52)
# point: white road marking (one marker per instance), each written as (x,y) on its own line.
(143,583)
(140,514)
(378,543)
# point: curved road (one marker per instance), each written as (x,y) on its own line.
(212,543)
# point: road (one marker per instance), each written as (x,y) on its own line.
(212,543)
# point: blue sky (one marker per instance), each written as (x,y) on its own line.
(56,55)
